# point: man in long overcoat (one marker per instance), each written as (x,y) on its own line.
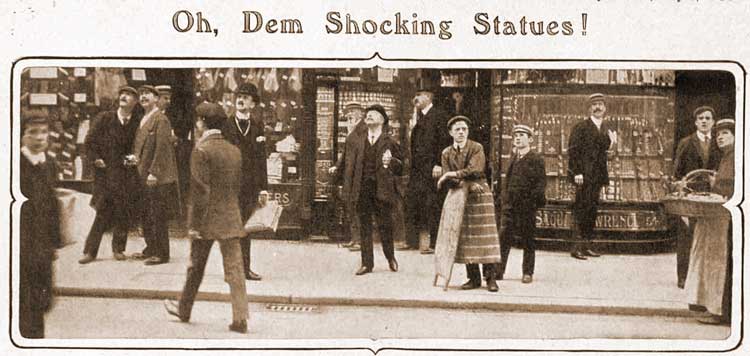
(244,129)
(587,169)
(157,168)
(214,214)
(423,200)
(116,188)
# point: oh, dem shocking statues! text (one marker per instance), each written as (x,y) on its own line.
(398,24)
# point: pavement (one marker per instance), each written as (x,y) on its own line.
(318,273)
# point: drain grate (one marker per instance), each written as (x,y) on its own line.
(296,308)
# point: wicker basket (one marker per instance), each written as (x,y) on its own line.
(693,208)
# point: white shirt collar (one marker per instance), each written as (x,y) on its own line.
(374,136)
(597,122)
(207,133)
(122,118)
(239,115)
(702,136)
(520,154)
(426,109)
(34,158)
(456,145)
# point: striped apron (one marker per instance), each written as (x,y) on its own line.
(479,242)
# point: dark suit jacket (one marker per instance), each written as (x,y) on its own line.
(688,157)
(525,183)
(215,168)
(587,153)
(115,185)
(387,178)
(154,149)
(254,170)
(40,232)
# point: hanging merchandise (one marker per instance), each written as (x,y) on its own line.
(295,80)
(229,82)
(107,83)
(271,83)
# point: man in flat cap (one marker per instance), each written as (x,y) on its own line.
(214,214)
(157,169)
(376,167)
(116,190)
(423,200)
(696,151)
(587,168)
(165,97)
(244,129)
(464,165)
(523,194)
(40,227)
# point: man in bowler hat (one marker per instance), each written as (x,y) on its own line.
(377,165)
(587,168)
(244,129)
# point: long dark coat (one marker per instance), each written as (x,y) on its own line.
(115,186)
(428,139)
(345,164)
(254,170)
(40,233)
(587,153)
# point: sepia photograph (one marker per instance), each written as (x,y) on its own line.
(375,203)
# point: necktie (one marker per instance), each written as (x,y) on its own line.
(244,124)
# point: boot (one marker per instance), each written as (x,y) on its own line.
(491,283)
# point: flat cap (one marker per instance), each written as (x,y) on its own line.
(380,109)
(725,123)
(128,89)
(210,111)
(701,109)
(458,118)
(150,88)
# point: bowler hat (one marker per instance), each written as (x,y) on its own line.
(380,109)
(150,88)
(699,110)
(128,89)
(458,118)
(523,128)
(248,89)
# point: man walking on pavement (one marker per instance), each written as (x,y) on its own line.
(525,182)
(244,129)
(423,200)
(342,172)
(696,151)
(214,214)
(587,168)
(116,189)
(157,168)
(377,164)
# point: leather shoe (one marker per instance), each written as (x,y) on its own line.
(393,265)
(362,270)
(153,260)
(139,256)
(405,247)
(119,256)
(348,244)
(578,255)
(252,276)
(428,251)
(471,284)
(492,285)
(86,259)
(710,319)
(238,326)
(526,278)
(590,253)
(355,248)
(174,309)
